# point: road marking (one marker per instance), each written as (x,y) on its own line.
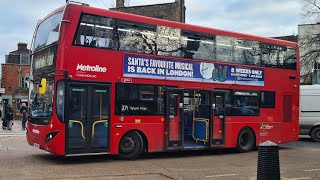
(12,133)
(221,175)
(310,170)
(301,178)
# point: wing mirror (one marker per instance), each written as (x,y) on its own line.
(43,86)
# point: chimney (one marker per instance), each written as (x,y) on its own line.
(22,46)
(120,3)
(182,10)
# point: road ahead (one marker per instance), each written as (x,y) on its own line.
(298,160)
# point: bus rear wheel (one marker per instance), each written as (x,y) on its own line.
(315,134)
(131,146)
(246,140)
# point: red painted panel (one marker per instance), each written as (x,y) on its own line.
(71,58)
(217,128)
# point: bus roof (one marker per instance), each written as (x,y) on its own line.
(53,12)
(185,26)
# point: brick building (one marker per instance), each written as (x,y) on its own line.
(170,11)
(15,72)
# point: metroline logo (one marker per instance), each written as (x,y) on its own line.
(95,68)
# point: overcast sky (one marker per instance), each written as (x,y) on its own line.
(268,18)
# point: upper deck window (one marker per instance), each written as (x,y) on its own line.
(138,37)
(96,31)
(48,31)
(168,41)
(290,59)
(247,52)
(197,45)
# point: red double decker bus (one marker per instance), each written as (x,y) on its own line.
(122,84)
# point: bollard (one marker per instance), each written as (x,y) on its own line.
(268,161)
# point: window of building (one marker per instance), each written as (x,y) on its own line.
(24,81)
(24,58)
(267,99)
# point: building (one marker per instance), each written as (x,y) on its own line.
(309,44)
(170,11)
(293,38)
(15,73)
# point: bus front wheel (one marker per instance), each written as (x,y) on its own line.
(131,146)
(246,140)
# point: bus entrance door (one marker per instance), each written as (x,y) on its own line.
(88,117)
(217,127)
(174,113)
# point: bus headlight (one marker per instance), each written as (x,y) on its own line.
(51,136)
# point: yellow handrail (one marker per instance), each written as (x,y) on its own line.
(96,122)
(82,127)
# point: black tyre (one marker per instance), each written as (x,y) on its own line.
(131,146)
(315,134)
(246,140)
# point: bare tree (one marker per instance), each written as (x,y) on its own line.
(309,38)
(311,10)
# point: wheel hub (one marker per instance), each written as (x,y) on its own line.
(244,138)
(127,145)
(318,134)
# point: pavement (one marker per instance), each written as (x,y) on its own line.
(16,130)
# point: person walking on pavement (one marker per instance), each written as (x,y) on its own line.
(8,117)
(23,111)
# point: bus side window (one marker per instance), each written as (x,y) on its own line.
(134,99)
(245,103)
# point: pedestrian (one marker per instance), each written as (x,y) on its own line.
(8,117)
(23,111)
(1,110)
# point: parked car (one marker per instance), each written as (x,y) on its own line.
(310,111)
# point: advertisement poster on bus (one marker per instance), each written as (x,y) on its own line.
(182,70)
